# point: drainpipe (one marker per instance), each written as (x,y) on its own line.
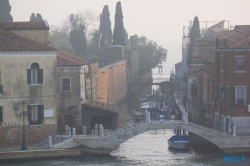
(90,81)
(218,80)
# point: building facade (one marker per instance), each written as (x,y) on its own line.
(28,74)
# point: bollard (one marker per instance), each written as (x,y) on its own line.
(69,131)
(101,130)
(147,117)
(186,117)
(234,130)
(73,132)
(50,141)
(84,131)
(66,129)
(229,127)
(92,132)
(96,129)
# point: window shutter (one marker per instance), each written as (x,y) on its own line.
(41,113)
(29,113)
(1,114)
(40,76)
(28,76)
(235,94)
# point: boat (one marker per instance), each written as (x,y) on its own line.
(179,142)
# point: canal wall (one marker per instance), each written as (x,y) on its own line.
(39,154)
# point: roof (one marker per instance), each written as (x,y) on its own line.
(101,106)
(24,25)
(216,24)
(12,42)
(65,59)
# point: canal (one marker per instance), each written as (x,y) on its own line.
(147,149)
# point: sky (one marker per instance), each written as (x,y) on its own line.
(159,20)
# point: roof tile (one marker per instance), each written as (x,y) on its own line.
(12,42)
(23,25)
(65,59)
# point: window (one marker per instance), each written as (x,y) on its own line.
(210,98)
(66,85)
(35,74)
(239,64)
(36,114)
(240,95)
(222,62)
(1,114)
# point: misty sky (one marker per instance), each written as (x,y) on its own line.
(158,20)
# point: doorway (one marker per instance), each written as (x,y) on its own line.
(68,120)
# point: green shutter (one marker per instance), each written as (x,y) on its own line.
(28,76)
(40,76)
(41,113)
(1,114)
(29,113)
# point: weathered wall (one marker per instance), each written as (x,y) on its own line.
(112,83)
(15,88)
(92,82)
(69,102)
(40,36)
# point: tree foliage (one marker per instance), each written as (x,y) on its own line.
(194,34)
(105,26)
(150,54)
(35,17)
(60,40)
(5,9)
(77,35)
(119,34)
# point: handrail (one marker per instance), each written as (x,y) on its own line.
(60,137)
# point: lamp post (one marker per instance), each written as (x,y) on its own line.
(24,147)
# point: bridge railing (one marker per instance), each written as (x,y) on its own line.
(209,123)
(243,131)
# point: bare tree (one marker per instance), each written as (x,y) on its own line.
(87,18)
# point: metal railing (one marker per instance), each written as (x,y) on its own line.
(61,137)
(243,131)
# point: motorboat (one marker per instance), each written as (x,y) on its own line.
(179,142)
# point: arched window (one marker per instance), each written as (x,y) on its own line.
(35,74)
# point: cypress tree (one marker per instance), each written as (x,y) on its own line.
(194,34)
(105,26)
(78,41)
(119,34)
(5,9)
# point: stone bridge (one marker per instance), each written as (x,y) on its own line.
(106,143)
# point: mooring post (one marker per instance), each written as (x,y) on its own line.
(101,130)
(69,131)
(147,117)
(73,132)
(234,131)
(66,129)
(50,141)
(96,129)
(84,131)
(229,127)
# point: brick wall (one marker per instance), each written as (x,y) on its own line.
(12,135)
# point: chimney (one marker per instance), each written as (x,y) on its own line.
(135,44)
(224,43)
(97,37)
(132,43)
(217,43)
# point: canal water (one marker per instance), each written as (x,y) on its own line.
(147,149)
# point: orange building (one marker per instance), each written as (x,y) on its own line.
(112,83)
